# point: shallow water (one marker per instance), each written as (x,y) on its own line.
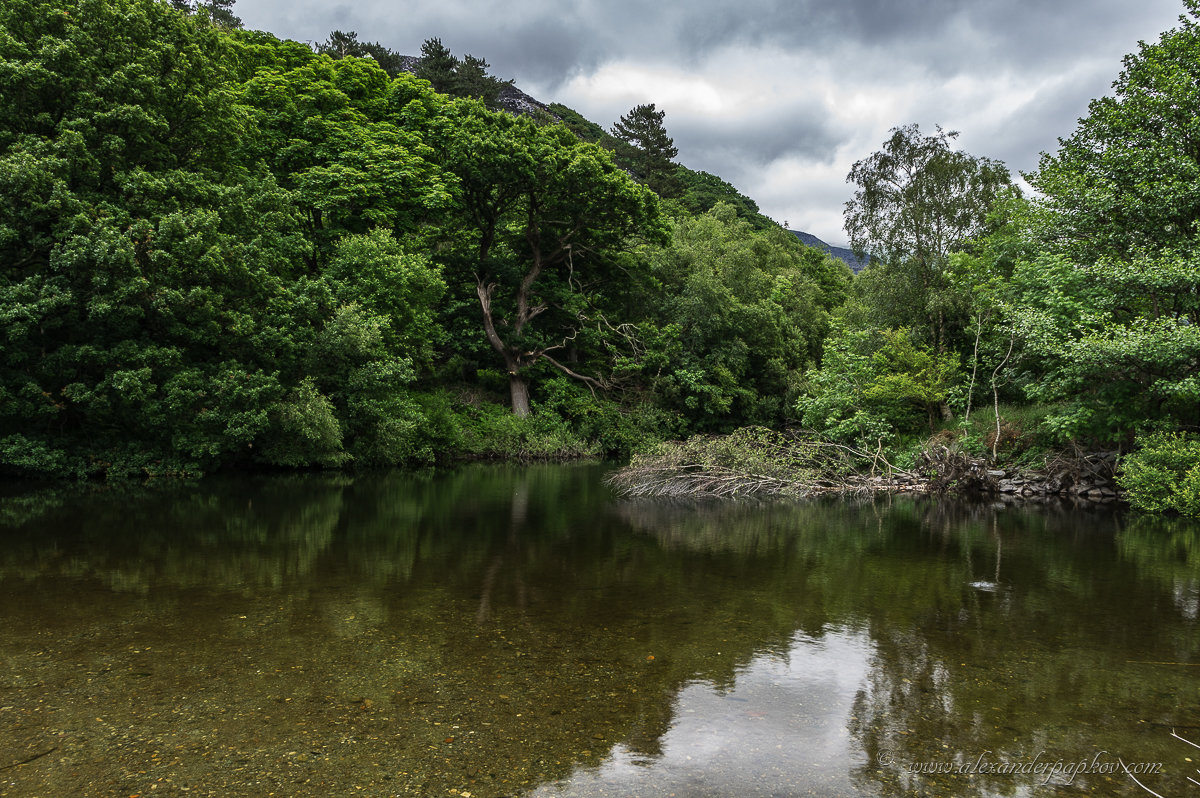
(503,632)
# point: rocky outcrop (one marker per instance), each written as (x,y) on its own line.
(843,254)
(1018,484)
(510,98)
(519,103)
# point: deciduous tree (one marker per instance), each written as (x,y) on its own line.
(916,200)
(547,212)
(1111,313)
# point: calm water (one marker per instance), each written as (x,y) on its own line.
(520,632)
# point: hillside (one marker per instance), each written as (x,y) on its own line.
(855,263)
(696,192)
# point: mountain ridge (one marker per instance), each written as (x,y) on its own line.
(855,263)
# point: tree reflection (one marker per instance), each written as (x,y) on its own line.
(506,627)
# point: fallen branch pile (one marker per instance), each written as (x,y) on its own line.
(758,462)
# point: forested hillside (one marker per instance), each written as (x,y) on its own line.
(855,262)
(223,249)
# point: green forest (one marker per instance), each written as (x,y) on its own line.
(220,249)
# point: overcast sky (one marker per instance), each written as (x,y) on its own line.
(780,97)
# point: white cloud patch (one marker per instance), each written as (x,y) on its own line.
(624,85)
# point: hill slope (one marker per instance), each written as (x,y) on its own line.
(855,263)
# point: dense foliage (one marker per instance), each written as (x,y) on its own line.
(1164,474)
(744,314)
(1077,311)
(218,248)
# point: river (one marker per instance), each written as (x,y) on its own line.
(498,631)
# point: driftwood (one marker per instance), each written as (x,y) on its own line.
(759,462)
(953,470)
(764,463)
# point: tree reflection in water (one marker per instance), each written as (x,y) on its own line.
(505,631)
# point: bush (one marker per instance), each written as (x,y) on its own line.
(618,429)
(308,430)
(1024,436)
(1163,474)
(492,432)
(874,387)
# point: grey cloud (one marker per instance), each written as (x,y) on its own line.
(538,41)
(759,139)
(1036,126)
(544,51)
(933,52)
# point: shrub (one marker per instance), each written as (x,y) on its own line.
(617,429)
(492,432)
(308,430)
(1163,474)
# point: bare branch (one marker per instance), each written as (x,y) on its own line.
(763,463)
(1125,768)
(591,382)
(484,292)
(1184,739)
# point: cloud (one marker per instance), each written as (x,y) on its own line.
(780,97)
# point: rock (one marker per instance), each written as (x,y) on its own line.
(997,474)
(519,103)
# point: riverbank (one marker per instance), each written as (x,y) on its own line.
(764,463)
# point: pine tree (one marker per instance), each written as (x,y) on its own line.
(220,12)
(340,44)
(651,149)
(472,80)
(438,66)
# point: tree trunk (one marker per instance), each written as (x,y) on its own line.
(520,395)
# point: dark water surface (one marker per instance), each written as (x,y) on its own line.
(504,632)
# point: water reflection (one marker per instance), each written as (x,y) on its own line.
(780,729)
(517,631)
